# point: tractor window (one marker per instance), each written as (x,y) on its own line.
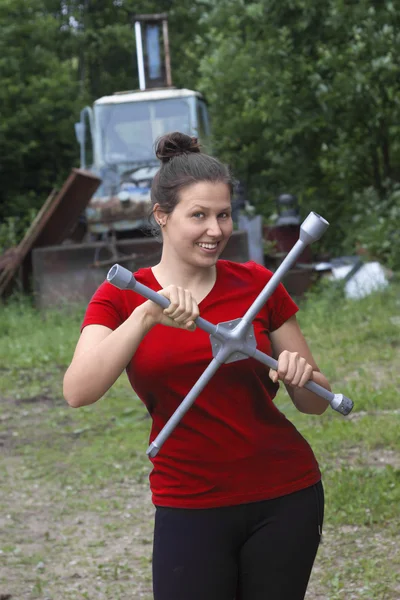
(128,130)
(170,115)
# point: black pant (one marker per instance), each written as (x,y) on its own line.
(257,551)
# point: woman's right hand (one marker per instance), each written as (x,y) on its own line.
(181,313)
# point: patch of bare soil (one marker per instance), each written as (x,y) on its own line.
(382,372)
(64,543)
(376,413)
(378,458)
(35,399)
(55,550)
(344,553)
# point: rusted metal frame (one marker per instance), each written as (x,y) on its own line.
(155,17)
(105,263)
(167,53)
(25,245)
(54,220)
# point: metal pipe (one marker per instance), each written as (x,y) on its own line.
(311,230)
(124,280)
(338,402)
(168,75)
(86,111)
(184,406)
(139,54)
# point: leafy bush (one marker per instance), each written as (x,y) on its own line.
(12,229)
(376,225)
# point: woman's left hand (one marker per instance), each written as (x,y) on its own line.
(293,369)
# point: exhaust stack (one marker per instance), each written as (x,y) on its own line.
(152,51)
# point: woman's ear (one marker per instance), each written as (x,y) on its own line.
(159,215)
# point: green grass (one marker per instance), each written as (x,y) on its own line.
(77,512)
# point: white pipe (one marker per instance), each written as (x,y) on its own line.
(139,54)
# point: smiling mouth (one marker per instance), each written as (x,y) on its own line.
(208,246)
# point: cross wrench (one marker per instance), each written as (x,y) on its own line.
(234,340)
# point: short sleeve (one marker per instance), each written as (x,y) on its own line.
(279,306)
(106,307)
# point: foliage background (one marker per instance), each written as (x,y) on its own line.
(304,98)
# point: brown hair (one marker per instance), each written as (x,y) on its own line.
(183,164)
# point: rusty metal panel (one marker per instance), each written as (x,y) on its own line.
(68,273)
(69,204)
(53,222)
(20,252)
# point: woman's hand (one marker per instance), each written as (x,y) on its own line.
(181,313)
(293,369)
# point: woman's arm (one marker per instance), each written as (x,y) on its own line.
(102,354)
(296,366)
(100,357)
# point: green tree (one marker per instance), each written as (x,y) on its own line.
(305,98)
(38,95)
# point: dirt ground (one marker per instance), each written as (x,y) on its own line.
(87,555)
(58,544)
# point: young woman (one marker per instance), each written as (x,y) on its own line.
(237,490)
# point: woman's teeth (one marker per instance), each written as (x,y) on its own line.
(208,246)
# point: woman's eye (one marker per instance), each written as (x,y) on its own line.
(223,215)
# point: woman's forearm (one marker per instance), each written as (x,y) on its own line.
(309,402)
(94,371)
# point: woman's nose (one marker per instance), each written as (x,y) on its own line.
(214,229)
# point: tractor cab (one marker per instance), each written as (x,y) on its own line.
(117,134)
(117,138)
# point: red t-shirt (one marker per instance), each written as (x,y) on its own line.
(233,445)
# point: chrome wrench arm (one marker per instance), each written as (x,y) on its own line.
(338,402)
(234,344)
(184,406)
(124,280)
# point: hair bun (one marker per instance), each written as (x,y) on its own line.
(175,144)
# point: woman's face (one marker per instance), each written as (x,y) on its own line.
(200,226)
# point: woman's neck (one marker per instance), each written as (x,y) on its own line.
(176,272)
